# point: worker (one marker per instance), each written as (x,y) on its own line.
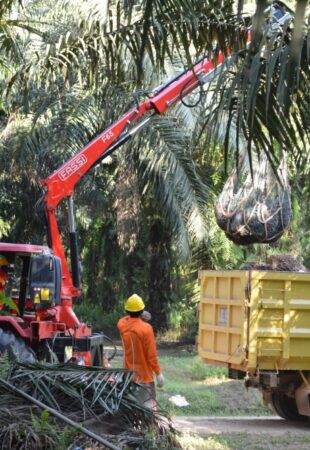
(3,272)
(140,352)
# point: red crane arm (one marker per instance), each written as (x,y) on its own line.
(62,182)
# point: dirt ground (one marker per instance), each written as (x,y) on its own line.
(206,425)
(254,427)
(275,426)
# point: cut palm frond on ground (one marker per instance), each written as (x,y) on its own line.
(78,393)
(83,390)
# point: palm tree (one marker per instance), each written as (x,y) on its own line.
(77,115)
(71,71)
(278,76)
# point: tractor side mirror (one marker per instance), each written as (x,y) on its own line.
(45,281)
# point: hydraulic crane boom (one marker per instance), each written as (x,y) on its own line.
(46,321)
(62,182)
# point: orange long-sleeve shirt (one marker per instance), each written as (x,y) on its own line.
(140,352)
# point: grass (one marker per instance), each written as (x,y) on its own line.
(210,393)
(205,387)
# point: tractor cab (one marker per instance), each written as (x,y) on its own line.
(35,323)
(30,278)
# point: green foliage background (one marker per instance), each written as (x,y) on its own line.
(145,215)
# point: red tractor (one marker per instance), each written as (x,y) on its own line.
(39,280)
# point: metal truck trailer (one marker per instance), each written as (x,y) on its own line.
(257,324)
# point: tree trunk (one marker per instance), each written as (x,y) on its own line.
(160,275)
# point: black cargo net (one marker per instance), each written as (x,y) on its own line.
(255,209)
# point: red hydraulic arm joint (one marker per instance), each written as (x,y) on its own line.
(62,182)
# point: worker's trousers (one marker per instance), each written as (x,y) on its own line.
(146,395)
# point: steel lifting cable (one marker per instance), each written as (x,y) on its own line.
(57,414)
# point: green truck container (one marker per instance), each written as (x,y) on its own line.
(257,324)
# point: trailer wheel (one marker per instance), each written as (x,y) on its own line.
(286,407)
(15,347)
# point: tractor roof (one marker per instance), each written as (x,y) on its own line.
(6,247)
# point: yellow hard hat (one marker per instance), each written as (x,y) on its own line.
(134,303)
(3,261)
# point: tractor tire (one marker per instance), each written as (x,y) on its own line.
(286,407)
(15,347)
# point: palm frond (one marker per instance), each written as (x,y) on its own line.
(7,5)
(264,91)
(168,171)
(95,47)
(79,393)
